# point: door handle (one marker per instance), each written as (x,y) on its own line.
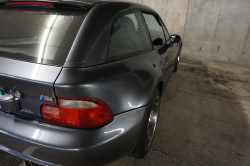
(167,59)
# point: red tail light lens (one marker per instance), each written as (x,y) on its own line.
(29,3)
(85,113)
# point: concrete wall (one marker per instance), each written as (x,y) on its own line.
(218,29)
(172,12)
(212,29)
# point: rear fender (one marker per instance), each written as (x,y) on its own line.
(123,85)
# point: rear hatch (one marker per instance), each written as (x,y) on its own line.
(34,44)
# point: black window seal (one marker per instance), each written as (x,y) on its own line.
(164,26)
(156,15)
(147,30)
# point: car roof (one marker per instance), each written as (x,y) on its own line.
(91,44)
(82,3)
(96,2)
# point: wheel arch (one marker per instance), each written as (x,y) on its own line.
(160,87)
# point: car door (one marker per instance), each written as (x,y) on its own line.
(161,44)
(172,47)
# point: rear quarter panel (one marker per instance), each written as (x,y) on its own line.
(123,85)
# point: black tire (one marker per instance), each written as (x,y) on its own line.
(176,64)
(140,150)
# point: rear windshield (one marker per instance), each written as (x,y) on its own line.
(39,35)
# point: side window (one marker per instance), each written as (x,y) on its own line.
(155,28)
(128,37)
(166,32)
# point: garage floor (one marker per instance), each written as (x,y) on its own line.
(204,118)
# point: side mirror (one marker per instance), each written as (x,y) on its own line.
(175,38)
(158,42)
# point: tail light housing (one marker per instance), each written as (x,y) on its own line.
(86,113)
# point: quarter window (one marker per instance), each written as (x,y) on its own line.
(128,37)
(155,28)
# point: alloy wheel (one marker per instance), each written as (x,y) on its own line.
(152,122)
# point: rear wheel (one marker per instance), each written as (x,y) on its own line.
(146,137)
(176,65)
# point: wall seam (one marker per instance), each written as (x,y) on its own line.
(186,24)
(248,33)
(218,19)
(213,53)
(165,12)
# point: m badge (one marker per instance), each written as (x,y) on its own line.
(46,98)
(1,92)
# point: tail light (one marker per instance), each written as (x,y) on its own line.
(85,113)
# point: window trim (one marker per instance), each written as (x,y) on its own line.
(161,23)
(129,55)
(166,30)
(147,30)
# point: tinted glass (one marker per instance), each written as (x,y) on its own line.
(128,37)
(154,27)
(39,35)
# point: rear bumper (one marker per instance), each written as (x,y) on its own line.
(48,144)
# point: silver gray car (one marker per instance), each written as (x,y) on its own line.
(81,81)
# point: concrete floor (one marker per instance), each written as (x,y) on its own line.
(204,119)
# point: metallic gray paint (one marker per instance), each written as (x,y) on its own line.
(67,146)
(33,79)
(123,85)
(28,71)
(126,86)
